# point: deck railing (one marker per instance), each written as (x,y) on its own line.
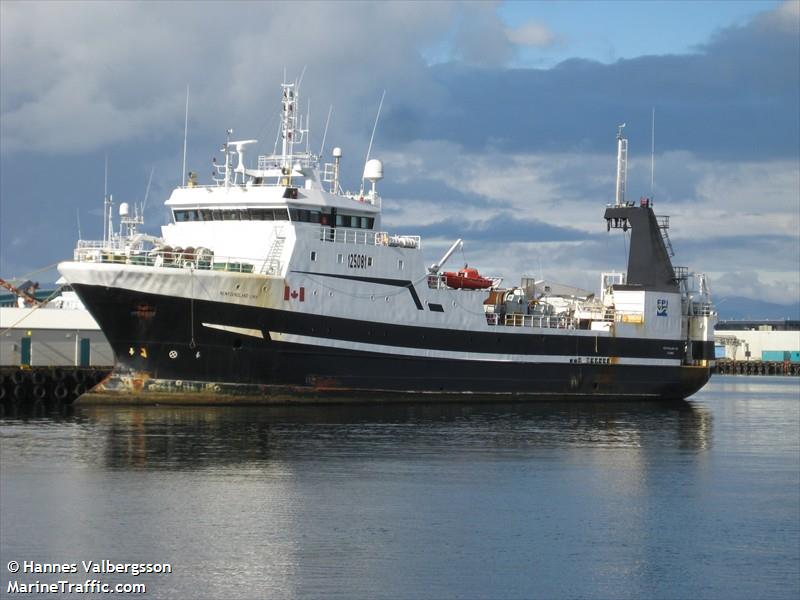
(562,321)
(540,321)
(702,309)
(202,260)
(343,235)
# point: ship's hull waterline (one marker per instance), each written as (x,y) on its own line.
(165,354)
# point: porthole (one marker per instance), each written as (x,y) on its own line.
(386,298)
(372,298)
(316,292)
(330,294)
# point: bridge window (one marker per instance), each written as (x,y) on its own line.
(267,214)
(352,221)
(261,214)
(301,215)
(182,216)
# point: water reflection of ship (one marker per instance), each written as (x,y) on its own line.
(215,437)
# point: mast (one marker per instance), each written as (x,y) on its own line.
(105,201)
(185,135)
(622,166)
(288,123)
(652,153)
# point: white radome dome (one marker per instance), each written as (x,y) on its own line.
(373,170)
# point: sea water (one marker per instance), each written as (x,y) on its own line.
(695,499)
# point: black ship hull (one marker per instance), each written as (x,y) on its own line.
(164,354)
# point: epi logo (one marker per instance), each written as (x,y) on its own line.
(661,307)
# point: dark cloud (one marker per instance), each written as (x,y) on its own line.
(735,97)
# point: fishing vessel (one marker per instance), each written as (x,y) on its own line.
(272,283)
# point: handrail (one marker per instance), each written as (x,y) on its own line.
(681,273)
(539,321)
(562,321)
(203,260)
(345,235)
(702,309)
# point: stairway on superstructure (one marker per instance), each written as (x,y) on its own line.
(663,225)
(272,264)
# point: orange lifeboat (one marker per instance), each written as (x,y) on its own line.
(466,278)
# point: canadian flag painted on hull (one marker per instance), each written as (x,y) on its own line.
(290,294)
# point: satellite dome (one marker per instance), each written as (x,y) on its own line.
(373,170)
(124,209)
(337,152)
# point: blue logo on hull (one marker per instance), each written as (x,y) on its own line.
(661,307)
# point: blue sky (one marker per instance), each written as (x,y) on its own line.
(502,114)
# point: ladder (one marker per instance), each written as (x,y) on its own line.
(272,264)
(663,225)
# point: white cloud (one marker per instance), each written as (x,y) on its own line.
(78,76)
(720,201)
(531,33)
(786,16)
